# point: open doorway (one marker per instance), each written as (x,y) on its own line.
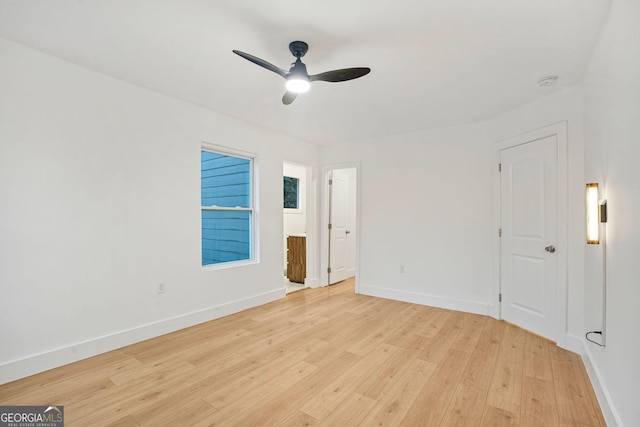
(341,224)
(295,225)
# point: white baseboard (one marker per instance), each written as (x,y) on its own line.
(312,282)
(30,365)
(604,398)
(493,311)
(425,299)
(573,343)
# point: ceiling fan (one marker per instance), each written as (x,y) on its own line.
(298,80)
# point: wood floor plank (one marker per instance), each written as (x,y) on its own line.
(480,369)
(338,336)
(351,412)
(594,399)
(330,397)
(293,397)
(537,358)
(174,410)
(117,402)
(258,394)
(297,418)
(385,329)
(362,305)
(443,340)
(244,370)
(431,404)
(466,407)
(470,328)
(538,403)
(496,417)
(505,391)
(325,357)
(55,383)
(437,319)
(405,335)
(56,395)
(491,335)
(572,393)
(400,396)
(381,379)
(126,421)
(141,371)
(226,394)
(173,344)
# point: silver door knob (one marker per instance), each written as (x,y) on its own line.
(551,249)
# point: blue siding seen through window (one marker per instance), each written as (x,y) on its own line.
(225,180)
(225,236)
(225,198)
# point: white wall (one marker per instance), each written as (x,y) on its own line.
(99,185)
(425,203)
(612,133)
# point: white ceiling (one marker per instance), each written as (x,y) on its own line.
(434,62)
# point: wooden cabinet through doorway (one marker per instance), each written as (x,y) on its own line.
(296,258)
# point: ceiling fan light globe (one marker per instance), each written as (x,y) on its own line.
(298,85)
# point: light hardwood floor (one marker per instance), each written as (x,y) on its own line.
(326,357)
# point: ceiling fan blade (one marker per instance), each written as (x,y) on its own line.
(340,75)
(289,97)
(262,63)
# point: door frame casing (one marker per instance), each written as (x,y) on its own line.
(324,222)
(559,130)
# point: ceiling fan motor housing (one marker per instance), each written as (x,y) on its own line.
(298,48)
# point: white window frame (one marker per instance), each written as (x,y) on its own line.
(253,233)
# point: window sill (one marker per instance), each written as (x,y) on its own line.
(230,264)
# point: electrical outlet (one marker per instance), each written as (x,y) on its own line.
(162,288)
(402,269)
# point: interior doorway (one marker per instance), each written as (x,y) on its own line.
(294,215)
(532,234)
(341,224)
(529,224)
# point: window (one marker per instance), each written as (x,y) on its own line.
(227,207)
(291,186)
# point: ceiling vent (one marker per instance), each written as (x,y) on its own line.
(548,81)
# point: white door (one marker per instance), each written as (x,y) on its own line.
(528,186)
(338,219)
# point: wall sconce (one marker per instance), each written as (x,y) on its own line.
(593,220)
(596,214)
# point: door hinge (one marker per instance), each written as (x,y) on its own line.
(499,167)
(331,182)
(329,227)
(499,232)
(329,270)
(499,297)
